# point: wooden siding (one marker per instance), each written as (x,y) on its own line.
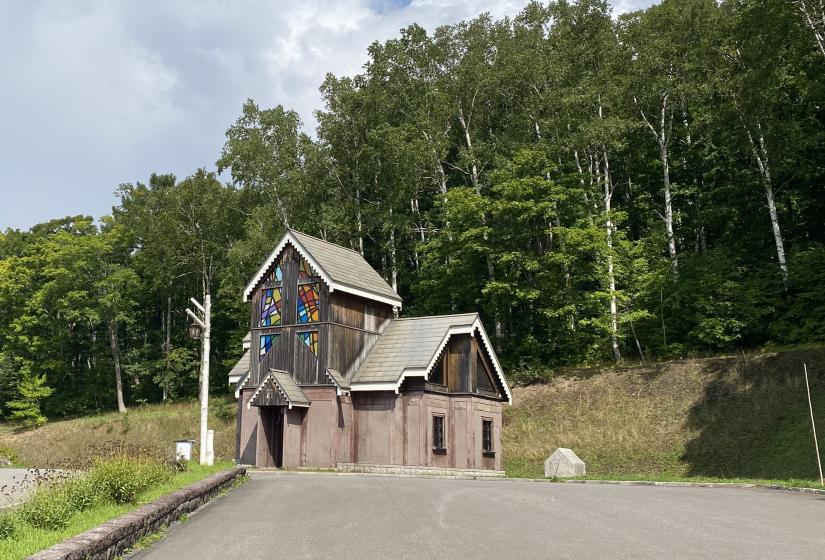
(347,329)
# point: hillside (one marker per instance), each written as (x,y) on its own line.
(57,443)
(729,417)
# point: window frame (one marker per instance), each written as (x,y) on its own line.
(442,448)
(487,450)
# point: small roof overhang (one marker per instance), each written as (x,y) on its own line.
(278,387)
(239,370)
(340,382)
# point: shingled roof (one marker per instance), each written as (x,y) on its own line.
(240,369)
(341,268)
(286,386)
(410,348)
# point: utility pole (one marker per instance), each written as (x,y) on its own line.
(203,320)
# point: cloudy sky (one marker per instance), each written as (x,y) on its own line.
(97,93)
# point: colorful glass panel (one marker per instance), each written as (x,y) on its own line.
(276,274)
(304,270)
(267,341)
(308,303)
(311,340)
(271,303)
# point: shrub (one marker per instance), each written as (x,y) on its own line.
(47,509)
(7,526)
(81,494)
(123,479)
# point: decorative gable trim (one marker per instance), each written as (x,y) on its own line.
(290,239)
(272,376)
(425,372)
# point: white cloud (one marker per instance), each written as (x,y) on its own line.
(96,93)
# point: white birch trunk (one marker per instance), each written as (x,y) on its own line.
(359,221)
(611,278)
(813,12)
(662,136)
(760,152)
(115,347)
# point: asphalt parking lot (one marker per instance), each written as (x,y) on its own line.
(362,517)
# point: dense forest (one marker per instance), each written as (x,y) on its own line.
(601,188)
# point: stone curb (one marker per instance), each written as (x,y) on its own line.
(110,539)
(683,484)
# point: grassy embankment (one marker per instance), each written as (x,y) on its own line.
(57,443)
(27,540)
(60,443)
(740,418)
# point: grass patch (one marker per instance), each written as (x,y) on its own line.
(59,443)
(27,540)
(731,418)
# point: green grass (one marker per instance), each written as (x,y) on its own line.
(27,540)
(740,418)
(57,443)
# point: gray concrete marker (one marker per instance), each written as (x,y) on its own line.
(364,518)
(563,463)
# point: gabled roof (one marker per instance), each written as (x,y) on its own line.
(341,268)
(411,347)
(285,385)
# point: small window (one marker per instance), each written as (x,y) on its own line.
(437,375)
(487,436)
(438,433)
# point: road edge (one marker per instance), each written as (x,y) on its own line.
(115,536)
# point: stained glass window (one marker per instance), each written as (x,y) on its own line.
(276,274)
(308,303)
(271,307)
(311,340)
(267,341)
(304,270)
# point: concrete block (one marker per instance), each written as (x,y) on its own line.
(563,463)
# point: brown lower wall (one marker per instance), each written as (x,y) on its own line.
(374,428)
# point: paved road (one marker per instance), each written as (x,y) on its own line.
(363,518)
(14,485)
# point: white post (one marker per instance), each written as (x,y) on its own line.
(210,447)
(207,322)
(813,425)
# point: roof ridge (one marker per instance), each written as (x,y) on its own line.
(325,241)
(436,316)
